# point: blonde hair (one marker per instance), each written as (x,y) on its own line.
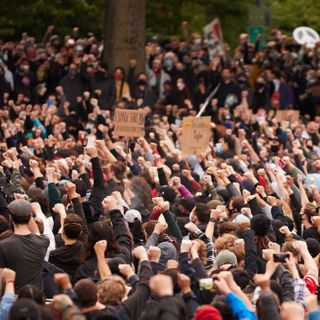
(111,290)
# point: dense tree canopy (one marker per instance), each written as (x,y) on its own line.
(164,17)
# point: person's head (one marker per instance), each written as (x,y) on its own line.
(181,84)
(236,204)
(20,211)
(73,70)
(134,220)
(87,292)
(309,211)
(207,312)
(229,242)
(219,302)
(174,43)
(156,65)
(200,214)
(141,79)
(24,308)
(228,227)
(112,290)
(81,187)
(118,74)
(227,143)
(142,191)
(313,247)
(260,224)
(117,170)
(148,228)
(226,75)
(72,227)
(185,205)
(32,292)
(288,246)
(101,230)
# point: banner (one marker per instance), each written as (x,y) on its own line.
(196,135)
(213,33)
(287,115)
(129,123)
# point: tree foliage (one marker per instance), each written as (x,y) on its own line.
(33,16)
(164,17)
(289,14)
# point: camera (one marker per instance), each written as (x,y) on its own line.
(280,257)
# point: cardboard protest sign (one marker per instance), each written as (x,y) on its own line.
(287,115)
(196,134)
(129,123)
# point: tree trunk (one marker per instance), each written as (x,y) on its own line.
(124,36)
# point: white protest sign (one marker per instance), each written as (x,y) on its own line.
(306,36)
(213,33)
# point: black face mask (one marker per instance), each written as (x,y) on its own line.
(260,85)
(141,82)
(72,73)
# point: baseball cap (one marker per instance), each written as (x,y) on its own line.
(132,214)
(20,208)
(226,257)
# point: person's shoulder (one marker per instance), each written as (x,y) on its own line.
(40,237)
(7,241)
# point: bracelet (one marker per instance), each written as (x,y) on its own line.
(213,220)
(9,281)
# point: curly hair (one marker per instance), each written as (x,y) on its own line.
(228,242)
(111,290)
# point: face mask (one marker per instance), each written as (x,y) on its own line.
(141,82)
(219,148)
(117,77)
(198,41)
(259,85)
(168,64)
(72,73)
(312,80)
(25,67)
(178,122)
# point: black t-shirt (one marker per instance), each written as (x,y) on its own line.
(24,254)
(68,257)
(107,313)
(311,233)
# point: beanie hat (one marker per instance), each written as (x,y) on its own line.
(207,313)
(226,257)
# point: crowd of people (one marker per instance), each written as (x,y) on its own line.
(95,226)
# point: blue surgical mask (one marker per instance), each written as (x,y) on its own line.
(219,148)
(178,122)
(168,64)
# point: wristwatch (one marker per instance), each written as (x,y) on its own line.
(213,220)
